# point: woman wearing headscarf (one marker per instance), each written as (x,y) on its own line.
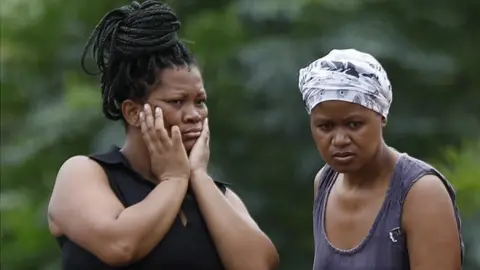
(375,208)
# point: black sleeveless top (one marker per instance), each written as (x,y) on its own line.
(187,247)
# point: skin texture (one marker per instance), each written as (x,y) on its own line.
(359,190)
(341,126)
(432,234)
(84,208)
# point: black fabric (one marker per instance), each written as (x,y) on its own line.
(187,247)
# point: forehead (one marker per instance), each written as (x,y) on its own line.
(181,79)
(336,109)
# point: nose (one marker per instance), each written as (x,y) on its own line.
(192,115)
(340,139)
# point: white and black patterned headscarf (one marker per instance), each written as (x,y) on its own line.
(346,75)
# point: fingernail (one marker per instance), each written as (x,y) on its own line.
(157,110)
(141,115)
(146,106)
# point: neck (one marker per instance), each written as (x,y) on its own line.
(136,152)
(378,169)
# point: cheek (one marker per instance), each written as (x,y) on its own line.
(171,117)
(203,112)
(322,141)
(367,140)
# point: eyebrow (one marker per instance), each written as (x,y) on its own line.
(180,93)
(202,90)
(349,116)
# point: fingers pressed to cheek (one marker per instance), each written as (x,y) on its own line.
(204,137)
(205,126)
(141,117)
(159,125)
(148,116)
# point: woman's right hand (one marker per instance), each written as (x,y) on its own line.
(168,157)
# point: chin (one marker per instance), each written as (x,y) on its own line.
(343,169)
(189,145)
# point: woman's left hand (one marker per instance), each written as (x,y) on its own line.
(200,153)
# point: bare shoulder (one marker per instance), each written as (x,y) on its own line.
(429,191)
(78,164)
(80,193)
(77,172)
(427,205)
(65,182)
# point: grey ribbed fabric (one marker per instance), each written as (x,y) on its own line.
(384,248)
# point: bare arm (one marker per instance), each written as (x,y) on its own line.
(85,209)
(240,242)
(430,225)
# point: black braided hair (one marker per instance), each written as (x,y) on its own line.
(130,45)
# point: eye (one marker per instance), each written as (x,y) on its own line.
(325,127)
(201,102)
(175,102)
(355,125)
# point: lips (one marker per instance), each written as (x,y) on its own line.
(191,134)
(343,157)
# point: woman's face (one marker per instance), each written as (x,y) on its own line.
(347,135)
(181,96)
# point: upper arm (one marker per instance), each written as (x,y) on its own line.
(272,255)
(82,205)
(316,182)
(433,240)
(239,206)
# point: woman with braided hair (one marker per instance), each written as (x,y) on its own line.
(151,204)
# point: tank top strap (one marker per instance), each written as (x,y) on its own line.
(327,178)
(399,181)
(407,172)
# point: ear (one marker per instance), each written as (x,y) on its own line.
(384,122)
(131,111)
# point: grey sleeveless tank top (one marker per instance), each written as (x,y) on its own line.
(385,245)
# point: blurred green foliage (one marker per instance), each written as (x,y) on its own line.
(463,168)
(250,53)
